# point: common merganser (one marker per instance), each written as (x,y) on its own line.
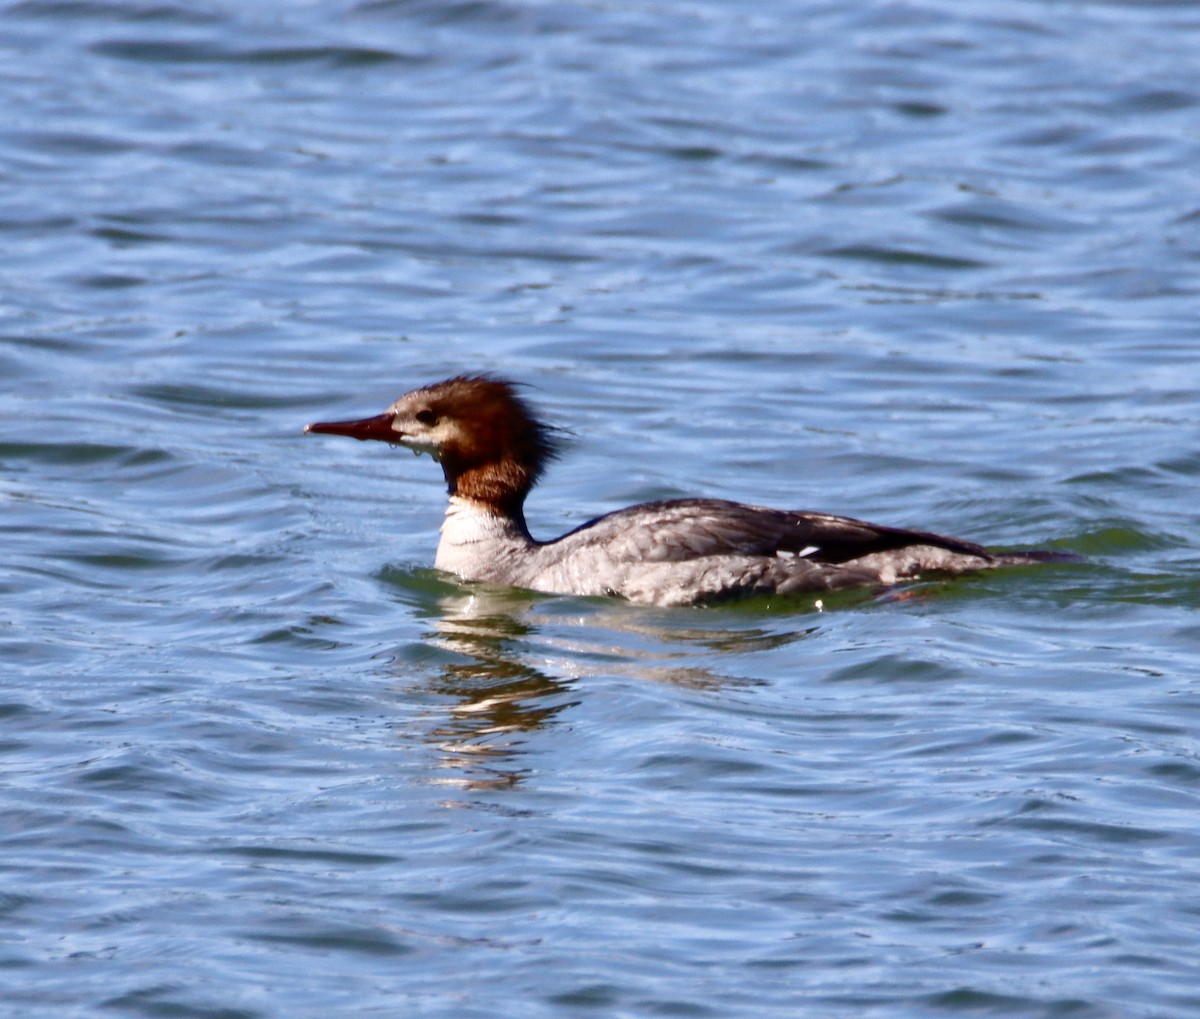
(493,449)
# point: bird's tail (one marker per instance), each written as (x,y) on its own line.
(1025,557)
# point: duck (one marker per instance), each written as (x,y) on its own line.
(493,448)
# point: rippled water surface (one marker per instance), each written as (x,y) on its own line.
(928,263)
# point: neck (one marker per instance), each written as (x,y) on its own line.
(499,487)
(480,542)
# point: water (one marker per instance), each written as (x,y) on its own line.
(932,264)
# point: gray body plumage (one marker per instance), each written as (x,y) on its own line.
(691,551)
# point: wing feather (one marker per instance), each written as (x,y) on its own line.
(677,530)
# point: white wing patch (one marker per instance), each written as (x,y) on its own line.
(808,550)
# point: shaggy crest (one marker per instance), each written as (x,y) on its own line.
(501,448)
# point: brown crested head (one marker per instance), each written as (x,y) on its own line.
(490,443)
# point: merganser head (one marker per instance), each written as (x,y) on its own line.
(491,445)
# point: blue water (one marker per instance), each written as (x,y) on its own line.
(928,263)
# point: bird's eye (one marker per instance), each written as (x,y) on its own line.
(426,417)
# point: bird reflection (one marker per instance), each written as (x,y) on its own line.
(497,696)
(511,662)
